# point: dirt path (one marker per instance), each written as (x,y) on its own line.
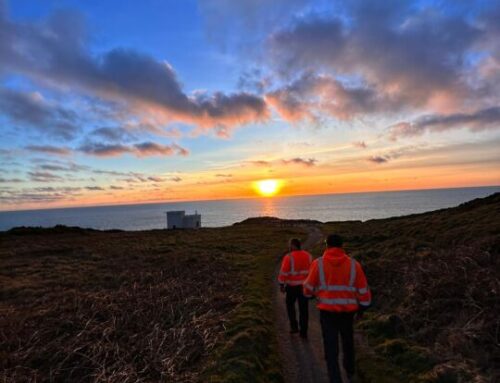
(302,360)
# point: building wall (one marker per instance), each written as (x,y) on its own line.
(179,220)
(192,221)
(175,219)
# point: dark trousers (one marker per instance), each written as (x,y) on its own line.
(293,294)
(333,324)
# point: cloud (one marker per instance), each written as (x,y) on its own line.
(94,188)
(53,167)
(379,159)
(407,56)
(104,150)
(10,180)
(131,180)
(62,167)
(110,172)
(17,197)
(114,187)
(254,80)
(143,149)
(134,178)
(39,176)
(49,149)
(38,195)
(56,53)
(312,95)
(360,144)
(393,154)
(33,110)
(223,175)
(116,134)
(155,179)
(260,163)
(152,149)
(480,120)
(309,162)
(65,189)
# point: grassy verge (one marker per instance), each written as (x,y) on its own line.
(249,351)
(390,357)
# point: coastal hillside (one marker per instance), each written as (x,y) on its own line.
(197,305)
(435,278)
(179,306)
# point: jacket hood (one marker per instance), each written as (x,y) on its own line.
(335,255)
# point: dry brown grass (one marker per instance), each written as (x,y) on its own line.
(185,306)
(86,306)
(435,278)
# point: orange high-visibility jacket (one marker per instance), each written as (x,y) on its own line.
(338,282)
(295,267)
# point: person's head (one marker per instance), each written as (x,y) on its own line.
(334,240)
(294,244)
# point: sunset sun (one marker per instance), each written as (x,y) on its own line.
(268,188)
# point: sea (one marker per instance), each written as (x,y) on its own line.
(326,207)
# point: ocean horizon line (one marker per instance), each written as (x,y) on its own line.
(276,197)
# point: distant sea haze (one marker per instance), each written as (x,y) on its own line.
(331,207)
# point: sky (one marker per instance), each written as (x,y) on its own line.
(112,102)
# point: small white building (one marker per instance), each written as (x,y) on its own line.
(178,219)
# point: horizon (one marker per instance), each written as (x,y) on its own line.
(256,197)
(108,104)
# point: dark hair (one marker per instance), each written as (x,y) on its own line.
(295,242)
(334,240)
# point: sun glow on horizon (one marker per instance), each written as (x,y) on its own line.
(268,188)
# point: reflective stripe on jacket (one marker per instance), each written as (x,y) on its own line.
(338,282)
(295,268)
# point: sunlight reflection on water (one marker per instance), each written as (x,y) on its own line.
(332,207)
(268,208)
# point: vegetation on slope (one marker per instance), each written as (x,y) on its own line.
(82,305)
(435,278)
(184,306)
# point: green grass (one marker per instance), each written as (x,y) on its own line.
(249,350)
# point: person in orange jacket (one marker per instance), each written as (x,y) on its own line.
(293,272)
(339,284)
